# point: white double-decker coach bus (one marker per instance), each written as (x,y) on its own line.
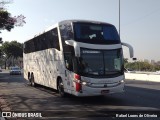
(82,58)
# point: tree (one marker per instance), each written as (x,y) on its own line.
(142,66)
(16,49)
(12,50)
(7,22)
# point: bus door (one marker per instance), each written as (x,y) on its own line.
(68,82)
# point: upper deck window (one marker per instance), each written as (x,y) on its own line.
(96,33)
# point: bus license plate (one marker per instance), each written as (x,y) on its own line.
(104,91)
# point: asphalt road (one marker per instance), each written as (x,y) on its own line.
(20,97)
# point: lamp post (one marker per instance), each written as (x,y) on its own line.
(119,17)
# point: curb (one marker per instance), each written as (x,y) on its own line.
(143,77)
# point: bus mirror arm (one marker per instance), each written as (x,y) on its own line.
(75,45)
(130,49)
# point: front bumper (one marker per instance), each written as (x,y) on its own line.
(95,91)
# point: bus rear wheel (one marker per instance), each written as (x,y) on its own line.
(61,88)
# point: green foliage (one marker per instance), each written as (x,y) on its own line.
(157,68)
(142,66)
(7,22)
(10,52)
(13,49)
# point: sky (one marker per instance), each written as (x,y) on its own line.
(140,20)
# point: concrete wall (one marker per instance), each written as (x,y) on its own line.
(144,77)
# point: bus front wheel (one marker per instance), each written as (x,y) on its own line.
(61,88)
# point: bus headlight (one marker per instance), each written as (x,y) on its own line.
(84,83)
(122,81)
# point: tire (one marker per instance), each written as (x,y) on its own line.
(61,88)
(32,83)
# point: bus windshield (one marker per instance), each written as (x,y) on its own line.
(96,33)
(100,62)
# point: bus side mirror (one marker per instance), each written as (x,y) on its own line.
(130,49)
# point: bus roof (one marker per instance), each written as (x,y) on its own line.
(85,21)
(67,21)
